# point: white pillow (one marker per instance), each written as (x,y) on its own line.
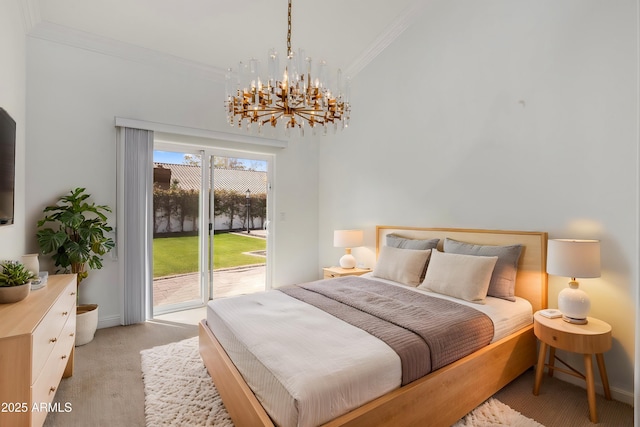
(461,276)
(405,266)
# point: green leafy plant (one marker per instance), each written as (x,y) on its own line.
(14,274)
(77,236)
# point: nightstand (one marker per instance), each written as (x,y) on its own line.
(589,339)
(331,272)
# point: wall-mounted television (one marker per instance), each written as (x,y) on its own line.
(7,167)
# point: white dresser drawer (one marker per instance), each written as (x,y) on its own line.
(67,338)
(45,386)
(49,330)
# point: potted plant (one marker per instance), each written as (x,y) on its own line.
(77,240)
(15,282)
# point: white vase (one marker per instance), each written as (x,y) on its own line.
(574,304)
(31,263)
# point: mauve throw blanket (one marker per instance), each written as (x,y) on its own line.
(426,332)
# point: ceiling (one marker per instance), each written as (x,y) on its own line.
(219,33)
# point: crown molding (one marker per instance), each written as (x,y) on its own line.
(106,46)
(36,28)
(392,32)
(30,13)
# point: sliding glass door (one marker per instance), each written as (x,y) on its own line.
(178,200)
(239,231)
(210,224)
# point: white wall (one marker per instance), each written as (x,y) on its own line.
(12,99)
(502,114)
(73,96)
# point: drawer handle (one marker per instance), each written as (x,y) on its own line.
(71,334)
(53,340)
(72,293)
(52,389)
(64,313)
(64,356)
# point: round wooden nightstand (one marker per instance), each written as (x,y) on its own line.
(589,339)
(331,272)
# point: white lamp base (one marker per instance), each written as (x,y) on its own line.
(347,260)
(574,304)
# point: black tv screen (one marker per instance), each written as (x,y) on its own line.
(7,167)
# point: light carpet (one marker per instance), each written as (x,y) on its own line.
(179,392)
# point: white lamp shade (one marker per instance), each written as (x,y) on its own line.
(573,258)
(347,238)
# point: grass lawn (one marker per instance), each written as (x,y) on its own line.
(179,255)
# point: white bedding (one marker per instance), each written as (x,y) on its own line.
(330,367)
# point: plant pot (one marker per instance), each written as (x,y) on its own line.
(10,294)
(86,323)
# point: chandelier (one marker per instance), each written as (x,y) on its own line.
(297,100)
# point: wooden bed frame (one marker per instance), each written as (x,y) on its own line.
(440,398)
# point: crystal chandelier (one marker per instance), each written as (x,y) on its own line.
(297,100)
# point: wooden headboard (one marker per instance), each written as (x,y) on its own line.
(531,281)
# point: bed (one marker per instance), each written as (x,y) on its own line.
(439,398)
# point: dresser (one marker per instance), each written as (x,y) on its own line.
(37,338)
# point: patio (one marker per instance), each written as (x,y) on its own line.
(227,282)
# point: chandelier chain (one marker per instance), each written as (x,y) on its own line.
(289,29)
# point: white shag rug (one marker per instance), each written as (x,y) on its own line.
(494,413)
(179,392)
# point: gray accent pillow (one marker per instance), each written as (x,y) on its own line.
(396,241)
(503,279)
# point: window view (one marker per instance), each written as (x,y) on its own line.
(240,215)
(176,248)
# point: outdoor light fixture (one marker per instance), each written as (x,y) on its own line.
(573,258)
(248,206)
(293,97)
(347,239)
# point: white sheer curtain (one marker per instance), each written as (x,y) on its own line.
(135,223)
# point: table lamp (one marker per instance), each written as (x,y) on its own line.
(347,239)
(574,259)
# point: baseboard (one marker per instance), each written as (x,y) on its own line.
(109,322)
(616,393)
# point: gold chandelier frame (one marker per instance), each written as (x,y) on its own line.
(297,99)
